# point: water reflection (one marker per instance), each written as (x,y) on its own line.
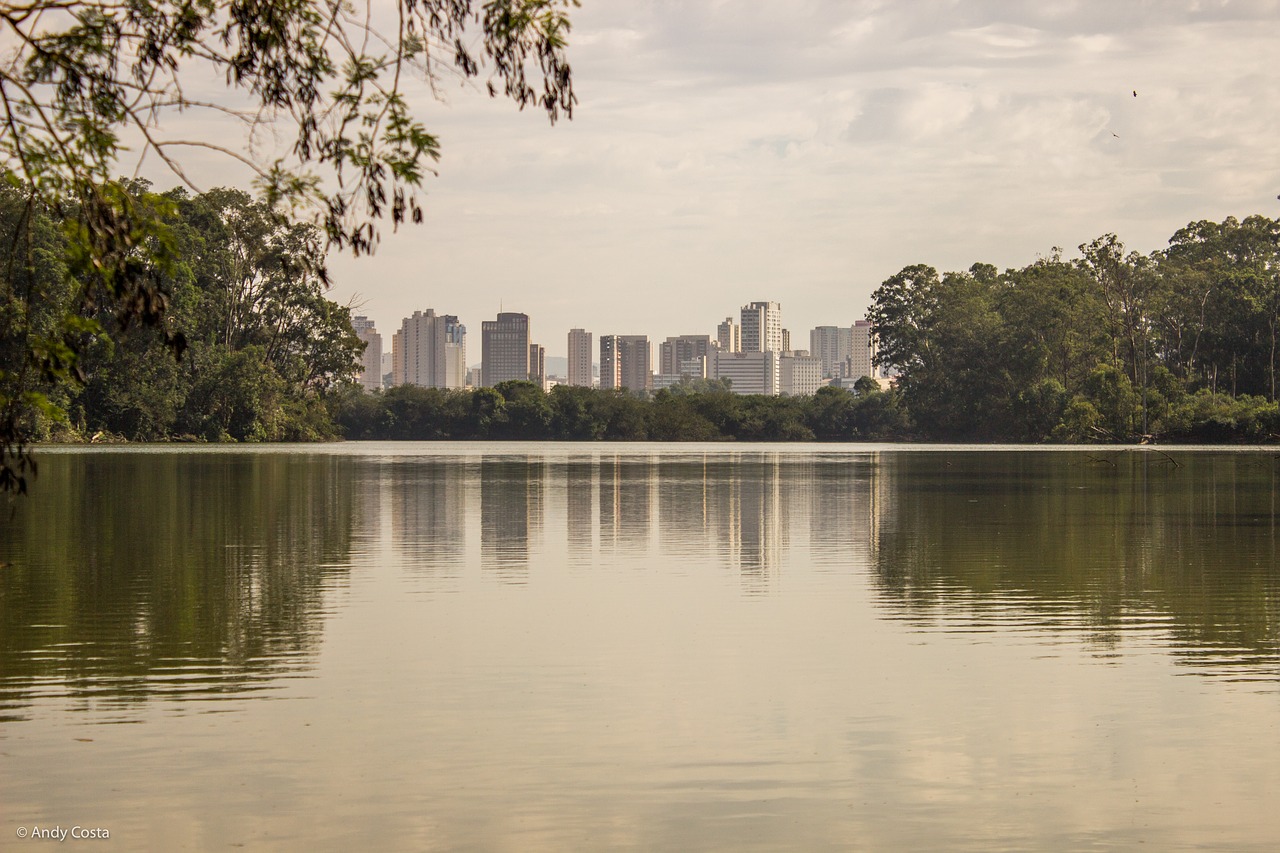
(510,514)
(131,578)
(1116,550)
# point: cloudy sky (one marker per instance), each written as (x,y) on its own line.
(725,151)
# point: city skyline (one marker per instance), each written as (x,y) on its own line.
(630,361)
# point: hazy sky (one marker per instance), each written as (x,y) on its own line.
(802,152)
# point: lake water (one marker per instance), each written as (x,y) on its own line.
(662,647)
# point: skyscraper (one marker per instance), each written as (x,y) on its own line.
(762,327)
(674,353)
(580,358)
(831,345)
(504,349)
(861,351)
(538,365)
(430,350)
(610,367)
(371,361)
(729,336)
(635,368)
(624,362)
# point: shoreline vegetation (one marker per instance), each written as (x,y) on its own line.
(1179,346)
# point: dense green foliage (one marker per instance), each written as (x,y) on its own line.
(262,346)
(1179,345)
(520,410)
(316,105)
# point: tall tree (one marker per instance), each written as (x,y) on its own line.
(331,77)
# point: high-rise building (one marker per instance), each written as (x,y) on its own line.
(430,350)
(610,375)
(624,362)
(762,327)
(538,366)
(675,353)
(861,351)
(831,345)
(504,349)
(799,375)
(747,372)
(580,357)
(729,336)
(635,367)
(371,361)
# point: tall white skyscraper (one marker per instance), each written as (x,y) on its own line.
(430,350)
(580,358)
(762,327)
(371,362)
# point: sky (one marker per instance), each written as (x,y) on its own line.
(725,151)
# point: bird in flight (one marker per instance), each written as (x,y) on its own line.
(1135,93)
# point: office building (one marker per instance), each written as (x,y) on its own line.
(729,336)
(747,372)
(861,351)
(370,376)
(430,351)
(762,327)
(625,362)
(504,349)
(580,358)
(538,366)
(799,374)
(831,345)
(674,354)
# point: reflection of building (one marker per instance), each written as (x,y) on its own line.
(504,349)
(625,498)
(371,361)
(428,513)
(580,487)
(510,512)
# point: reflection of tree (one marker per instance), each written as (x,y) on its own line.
(140,575)
(1108,544)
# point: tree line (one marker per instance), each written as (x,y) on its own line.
(1177,345)
(240,290)
(700,410)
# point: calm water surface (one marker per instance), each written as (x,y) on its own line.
(671,647)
